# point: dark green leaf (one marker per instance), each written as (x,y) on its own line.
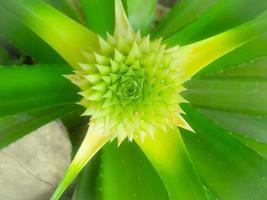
(244,95)
(27,88)
(250,126)
(87,187)
(99,14)
(229,168)
(218,18)
(183,13)
(67,7)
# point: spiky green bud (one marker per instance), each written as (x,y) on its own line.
(131,86)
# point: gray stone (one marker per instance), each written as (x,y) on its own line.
(31,168)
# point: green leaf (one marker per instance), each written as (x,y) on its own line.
(66,36)
(182,14)
(250,126)
(24,39)
(249,60)
(229,168)
(141,14)
(14,127)
(86,187)
(258,147)
(125,173)
(218,18)
(29,43)
(4,57)
(27,88)
(244,95)
(169,156)
(99,14)
(67,7)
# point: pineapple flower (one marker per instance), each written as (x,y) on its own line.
(130,84)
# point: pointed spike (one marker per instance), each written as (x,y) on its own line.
(77,80)
(101,60)
(123,68)
(133,54)
(118,56)
(130,72)
(136,65)
(107,79)
(89,57)
(103,70)
(105,46)
(85,93)
(114,66)
(100,87)
(115,77)
(145,44)
(122,44)
(93,78)
(88,67)
(135,51)
(138,36)
(96,96)
(108,94)
(183,124)
(111,39)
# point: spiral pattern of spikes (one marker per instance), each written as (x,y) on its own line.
(131,87)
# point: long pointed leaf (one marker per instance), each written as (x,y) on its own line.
(183,13)
(235,94)
(24,39)
(220,17)
(27,88)
(231,169)
(66,36)
(171,160)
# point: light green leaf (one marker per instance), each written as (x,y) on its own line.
(14,127)
(249,60)
(220,17)
(141,14)
(169,156)
(32,87)
(229,168)
(182,14)
(63,34)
